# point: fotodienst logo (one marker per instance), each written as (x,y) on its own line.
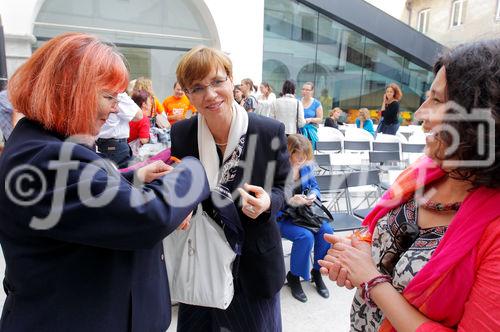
(482,123)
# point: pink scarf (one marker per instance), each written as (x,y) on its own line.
(442,287)
(164,155)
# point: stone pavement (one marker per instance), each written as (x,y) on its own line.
(317,314)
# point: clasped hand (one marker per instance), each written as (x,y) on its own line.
(348,262)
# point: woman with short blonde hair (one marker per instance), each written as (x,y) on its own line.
(364,121)
(221,135)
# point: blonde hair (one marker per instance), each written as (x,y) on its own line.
(198,62)
(299,143)
(143,83)
(335,110)
(364,113)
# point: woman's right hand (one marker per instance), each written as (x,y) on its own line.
(298,200)
(153,171)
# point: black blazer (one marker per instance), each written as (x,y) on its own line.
(96,269)
(261,270)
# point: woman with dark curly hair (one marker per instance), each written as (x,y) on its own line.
(428,260)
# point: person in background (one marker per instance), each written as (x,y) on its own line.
(139,130)
(389,122)
(8,116)
(238,94)
(249,101)
(266,93)
(266,99)
(313,113)
(333,119)
(223,130)
(288,110)
(178,106)
(113,135)
(364,121)
(325,99)
(85,253)
(130,87)
(305,192)
(143,83)
(429,259)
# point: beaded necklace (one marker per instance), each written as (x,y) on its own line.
(439,207)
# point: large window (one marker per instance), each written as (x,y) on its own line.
(423,20)
(149,32)
(458,13)
(348,69)
(498,10)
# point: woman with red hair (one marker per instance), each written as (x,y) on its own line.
(389,123)
(82,245)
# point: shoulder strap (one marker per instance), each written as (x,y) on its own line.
(319,204)
(297,121)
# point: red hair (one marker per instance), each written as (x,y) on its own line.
(398,94)
(60,83)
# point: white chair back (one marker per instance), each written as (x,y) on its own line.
(357,134)
(402,138)
(387,138)
(326,134)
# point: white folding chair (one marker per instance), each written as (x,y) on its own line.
(329,134)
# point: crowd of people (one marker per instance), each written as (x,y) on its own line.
(87,253)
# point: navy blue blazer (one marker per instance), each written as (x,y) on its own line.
(261,271)
(94,269)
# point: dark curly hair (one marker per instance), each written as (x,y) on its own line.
(473,82)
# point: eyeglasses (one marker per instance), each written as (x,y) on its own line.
(199,89)
(111,99)
(304,89)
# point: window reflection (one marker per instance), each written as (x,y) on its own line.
(349,70)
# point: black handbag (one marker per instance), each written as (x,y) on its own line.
(309,217)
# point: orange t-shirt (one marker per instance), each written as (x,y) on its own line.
(177,106)
(158,106)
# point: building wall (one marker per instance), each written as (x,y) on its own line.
(236,26)
(480,21)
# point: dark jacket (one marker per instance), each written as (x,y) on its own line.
(329,122)
(261,270)
(94,268)
(391,113)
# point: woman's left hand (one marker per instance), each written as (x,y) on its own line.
(254,206)
(356,259)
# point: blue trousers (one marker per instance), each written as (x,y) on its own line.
(303,241)
(388,129)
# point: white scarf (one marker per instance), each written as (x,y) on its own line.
(206,143)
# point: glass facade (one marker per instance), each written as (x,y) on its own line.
(348,69)
(152,34)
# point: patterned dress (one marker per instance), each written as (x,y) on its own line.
(400,249)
